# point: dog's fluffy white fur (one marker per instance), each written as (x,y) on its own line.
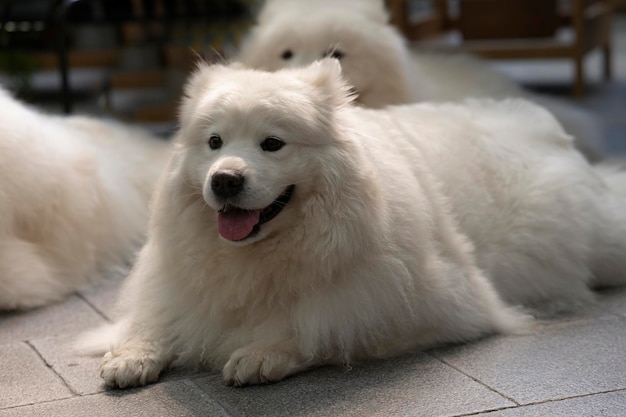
(73,200)
(378,63)
(405,228)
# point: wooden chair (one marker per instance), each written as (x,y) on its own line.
(517,29)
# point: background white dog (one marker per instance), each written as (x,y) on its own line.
(292,229)
(378,63)
(73,200)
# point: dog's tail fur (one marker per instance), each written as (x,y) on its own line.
(613,172)
(579,123)
(98,341)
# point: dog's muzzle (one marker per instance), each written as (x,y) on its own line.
(236,223)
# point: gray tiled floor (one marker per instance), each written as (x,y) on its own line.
(573,360)
(575,366)
(26,379)
(410,385)
(177,398)
(599,405)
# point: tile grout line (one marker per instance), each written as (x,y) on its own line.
(78,396)
(475,379)
(15,407)
(553,400)
(224,407)
(72,391)
(96,309)
(489,410)
(107,390)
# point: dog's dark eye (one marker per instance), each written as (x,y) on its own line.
(215,142)
(287,54)
(334,53)
(272,144)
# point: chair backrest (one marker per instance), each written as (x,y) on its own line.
(497,19)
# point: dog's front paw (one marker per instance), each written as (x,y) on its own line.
(248,366)
(130,368)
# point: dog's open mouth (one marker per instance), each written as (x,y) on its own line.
(234,223)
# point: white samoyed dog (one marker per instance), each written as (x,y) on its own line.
(378,63)
(292,229)
(73,200)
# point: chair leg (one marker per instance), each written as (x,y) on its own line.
(64,72)
(607,54)
(59,13)
(579,82)
(397,13)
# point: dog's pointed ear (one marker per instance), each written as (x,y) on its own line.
(325,75)
(237,65)
(325,71)
(197,83)
(199,79)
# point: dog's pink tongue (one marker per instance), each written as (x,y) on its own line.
(237,224)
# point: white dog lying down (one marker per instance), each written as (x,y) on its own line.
(74,194)
(292,229)
(377,62)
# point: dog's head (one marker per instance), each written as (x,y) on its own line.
(296,33)
(250,141)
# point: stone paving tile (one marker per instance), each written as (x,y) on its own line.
(176,398)
(612,404)
(25,378)
(413,385)
(81,372)
(578,358)
(103,295)
(65,318)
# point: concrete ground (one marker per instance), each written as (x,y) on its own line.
(574,366)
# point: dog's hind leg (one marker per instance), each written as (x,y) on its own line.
(27,279)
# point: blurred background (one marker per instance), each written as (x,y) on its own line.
(128,59)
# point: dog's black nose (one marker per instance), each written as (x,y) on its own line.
(226,184)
